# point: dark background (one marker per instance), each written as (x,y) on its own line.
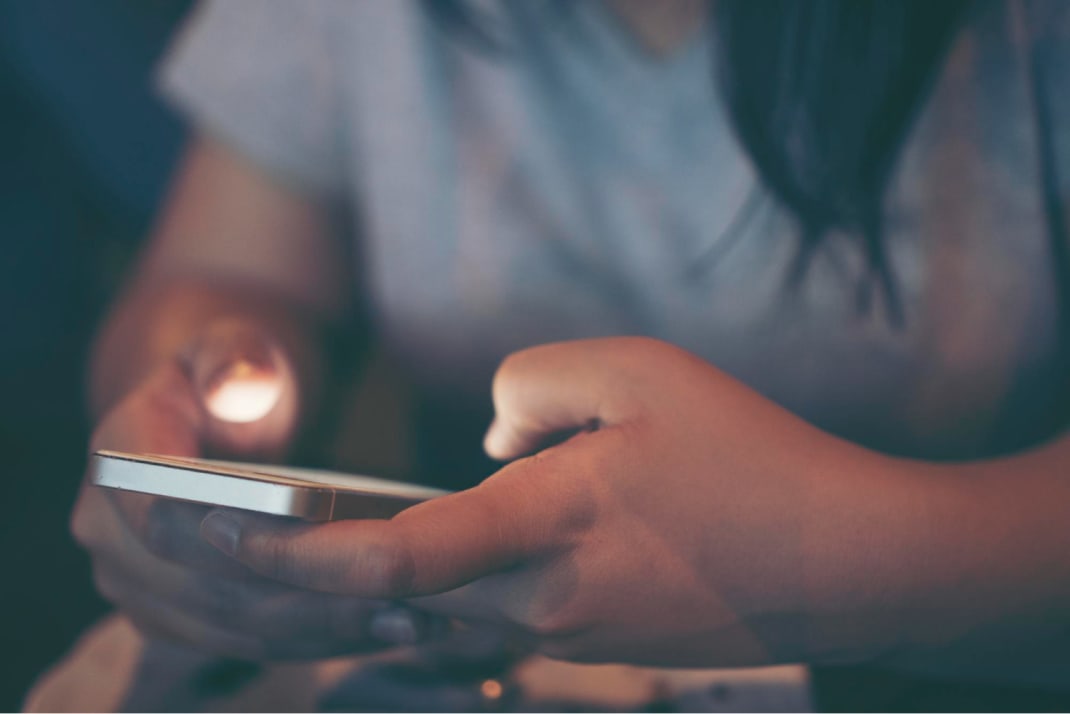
(85,150)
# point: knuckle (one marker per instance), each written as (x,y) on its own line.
(512,363)
(505,378)
(509,377)
(573,495)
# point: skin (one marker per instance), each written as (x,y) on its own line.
(199,301)
(197,296)
(702,525)
(688,522)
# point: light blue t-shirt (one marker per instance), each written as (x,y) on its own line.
(575,186)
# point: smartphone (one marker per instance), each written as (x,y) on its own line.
(310,494)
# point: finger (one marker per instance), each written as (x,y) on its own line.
(94,523)
(109,536)
(441,544)
(546,390)
(156,617)
(119,553)
(162,416)
(258,621)
(244,602)
(165,529)
(295,621)
(240,600)
(156,621)
(170,530)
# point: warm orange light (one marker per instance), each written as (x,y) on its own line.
(491,689)
(244,393)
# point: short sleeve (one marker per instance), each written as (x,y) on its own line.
(258,76)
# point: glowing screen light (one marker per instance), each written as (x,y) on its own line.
(243,393)
(491,689)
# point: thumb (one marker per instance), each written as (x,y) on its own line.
(430,548)
(551,390)
(247,388)
(161,415)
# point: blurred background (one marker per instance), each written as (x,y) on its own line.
(85,151)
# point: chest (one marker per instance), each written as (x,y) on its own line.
(501,207)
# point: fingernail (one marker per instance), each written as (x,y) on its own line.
(395,626)
(222,531)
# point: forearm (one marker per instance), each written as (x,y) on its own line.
(231,243)
(968,571)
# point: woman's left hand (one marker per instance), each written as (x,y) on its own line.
(690,522)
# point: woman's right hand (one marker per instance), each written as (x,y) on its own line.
(148,557)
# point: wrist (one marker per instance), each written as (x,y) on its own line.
(988,594)
(888,559)
(944,568)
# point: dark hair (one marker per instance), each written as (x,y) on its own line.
(821,94)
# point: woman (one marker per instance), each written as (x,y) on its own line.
(839,256)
